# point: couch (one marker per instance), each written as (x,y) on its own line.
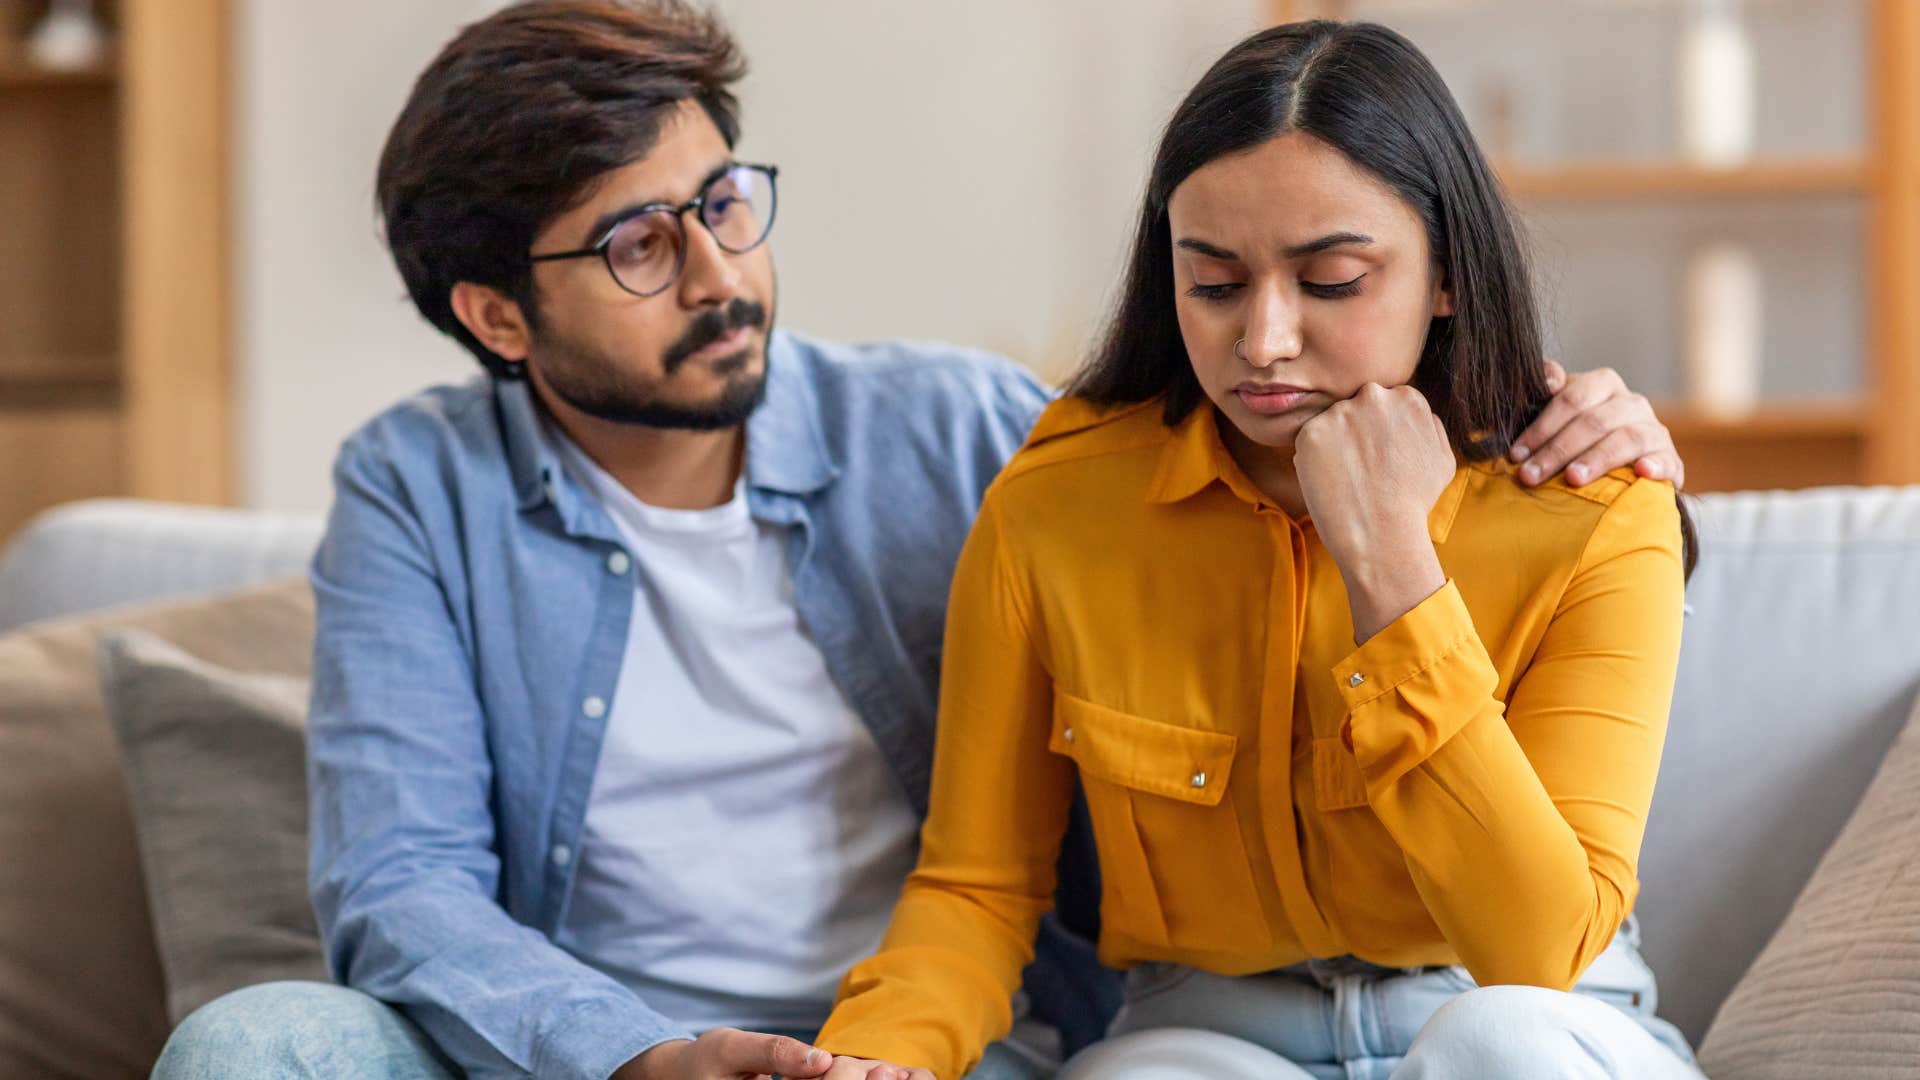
(1801,660)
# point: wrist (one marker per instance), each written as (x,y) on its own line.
(1388,581)
(1381,551)
(657,1062)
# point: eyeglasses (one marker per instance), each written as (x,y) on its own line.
(646,250)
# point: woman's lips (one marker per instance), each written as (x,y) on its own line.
(1270,400)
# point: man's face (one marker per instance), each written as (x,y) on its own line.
(692,356)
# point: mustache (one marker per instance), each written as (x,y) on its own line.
(710,326)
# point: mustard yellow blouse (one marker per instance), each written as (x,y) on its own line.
(1469,786)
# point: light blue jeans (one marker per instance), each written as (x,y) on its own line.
(319,1031)
(1345,1019)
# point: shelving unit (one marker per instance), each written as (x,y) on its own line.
(1606,180)
(114,199)
(1874,438)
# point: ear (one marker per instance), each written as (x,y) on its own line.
(493,318)
(1442,301)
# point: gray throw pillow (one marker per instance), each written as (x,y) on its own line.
(216,774)
(1836,993)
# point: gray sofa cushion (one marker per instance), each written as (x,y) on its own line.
(1797,667)
(1836,994)
(215,763)
(104,553)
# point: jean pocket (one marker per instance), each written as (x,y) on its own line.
(1619,977)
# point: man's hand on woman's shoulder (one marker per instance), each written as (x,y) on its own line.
(1593,425)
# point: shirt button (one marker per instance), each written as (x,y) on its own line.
(1067,734)
(594,707)
(1199,779)
(1356,679)
(562,855)
(617,563)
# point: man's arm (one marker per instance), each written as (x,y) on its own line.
(405,870)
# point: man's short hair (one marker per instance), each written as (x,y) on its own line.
(514,121)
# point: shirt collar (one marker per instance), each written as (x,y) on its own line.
(1194,457)
(787,448)
(786,445)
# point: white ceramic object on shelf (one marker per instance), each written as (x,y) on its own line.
(1715,79)
(1724,325)
(69,38)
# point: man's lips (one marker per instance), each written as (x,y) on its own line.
(1269,399)
(729,342)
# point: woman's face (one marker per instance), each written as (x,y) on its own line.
(1322,269)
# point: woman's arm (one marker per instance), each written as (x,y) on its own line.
(1522,824)
(941,986)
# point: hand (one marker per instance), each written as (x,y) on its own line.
(849,1068)
(1594,425)
(727,1054)
(1370,469)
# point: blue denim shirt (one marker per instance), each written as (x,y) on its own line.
(471,623)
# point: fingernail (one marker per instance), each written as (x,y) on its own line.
(1530,473)
(1577,473)
(1520,452)
(817,1059)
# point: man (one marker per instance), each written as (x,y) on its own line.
(627,652)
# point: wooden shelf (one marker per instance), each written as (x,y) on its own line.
(15,75)
(1795,421)
(1599,181)
(52,371)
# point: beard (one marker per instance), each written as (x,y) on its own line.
(598,385)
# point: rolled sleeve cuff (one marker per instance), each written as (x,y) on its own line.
(1420,679)
(601,1036)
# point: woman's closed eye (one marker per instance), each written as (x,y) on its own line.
(1337,290)
(1219,291)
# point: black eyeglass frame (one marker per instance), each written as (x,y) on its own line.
(698,202)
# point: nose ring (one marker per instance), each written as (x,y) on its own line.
(1237,354)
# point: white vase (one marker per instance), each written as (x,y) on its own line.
(1715,110)
(69,37)
(1724,328)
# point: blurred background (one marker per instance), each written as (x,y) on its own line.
(1723,197)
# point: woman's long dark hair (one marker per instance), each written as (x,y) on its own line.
(1371,94)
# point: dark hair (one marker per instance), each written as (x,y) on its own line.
(1371,94)
(514,121)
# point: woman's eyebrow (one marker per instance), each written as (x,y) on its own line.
(1331,240)
(1297,251)
(1201,247)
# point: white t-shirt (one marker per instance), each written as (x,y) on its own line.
(745,841)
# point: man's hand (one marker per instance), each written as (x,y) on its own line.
(727,1054)
(849,1068)
(1593,425)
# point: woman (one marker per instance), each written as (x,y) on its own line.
(1362,723)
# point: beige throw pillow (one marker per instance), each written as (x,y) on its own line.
(216,766)
(80,985)
(1836,993)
